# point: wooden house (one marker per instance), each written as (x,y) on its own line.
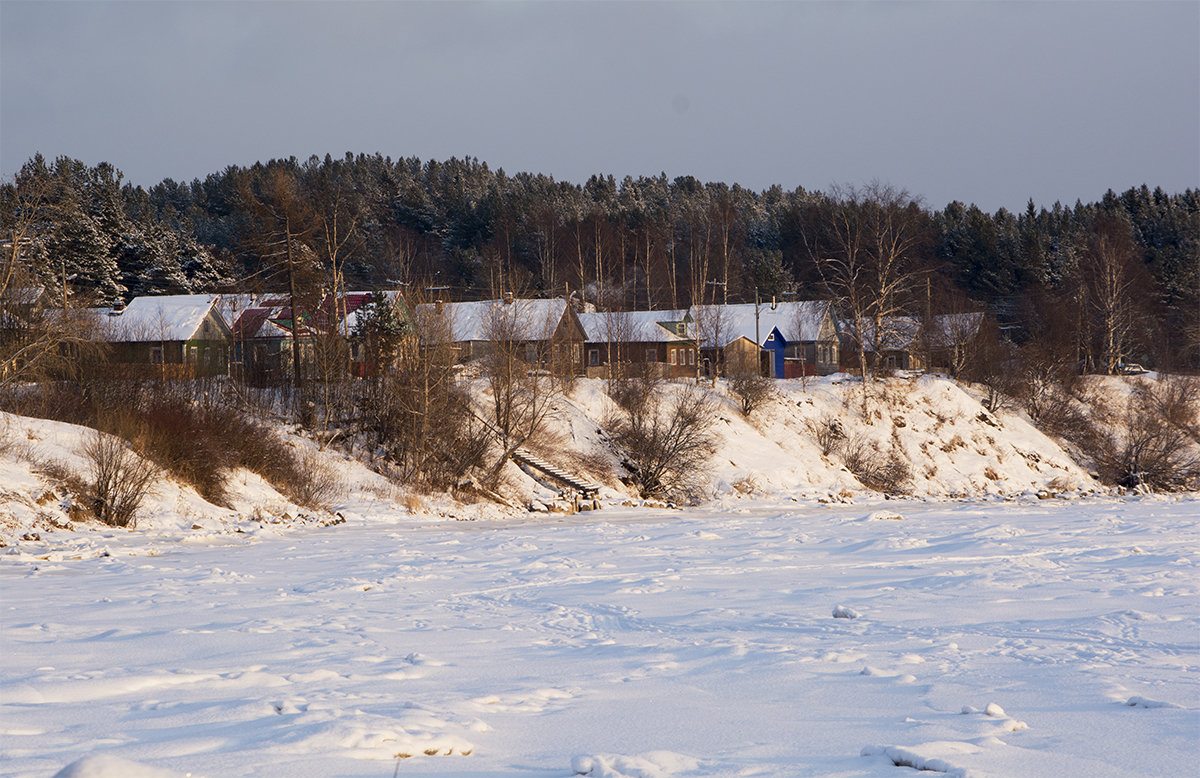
(638,340)
(546,333)
(169,336)
(792,338)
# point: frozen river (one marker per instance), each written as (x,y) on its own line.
(1049,638)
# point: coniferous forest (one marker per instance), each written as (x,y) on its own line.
(1067,279)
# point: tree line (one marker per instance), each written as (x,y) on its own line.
(1100,283)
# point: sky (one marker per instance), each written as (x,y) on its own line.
(988,103)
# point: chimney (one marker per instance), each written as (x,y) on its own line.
(508,298)
(437,305)
(118,307)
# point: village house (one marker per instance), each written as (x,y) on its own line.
(944,341)
(169,336)
(545,332)
(262,347)
(655,340)
(785,339)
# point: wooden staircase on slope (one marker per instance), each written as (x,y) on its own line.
(583,488)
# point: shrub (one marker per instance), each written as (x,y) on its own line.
(751,389)
(1149,440)
(119,479)
(827,432)
(881,471)
(312,483)
(666,442)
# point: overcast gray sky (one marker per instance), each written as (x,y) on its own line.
(991,103)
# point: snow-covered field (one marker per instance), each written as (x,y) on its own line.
(991,638)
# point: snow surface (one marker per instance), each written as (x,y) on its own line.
(1031,638)
(1013,620)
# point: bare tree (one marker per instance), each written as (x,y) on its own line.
(867,258)
(1148,440)
(712,324)
(751,388)
(1111,279)
(120,479)
(283,226)
(519,393)
(37,339)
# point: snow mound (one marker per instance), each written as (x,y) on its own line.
(842,612)
(653,764)
(1142,702)
(108,766)
(904,757)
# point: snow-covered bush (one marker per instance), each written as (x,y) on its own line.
(752,390)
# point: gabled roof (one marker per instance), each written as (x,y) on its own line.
(951,329)
(356,300)
(230,306)
(166,317)
(903,332)
(630,327)
(256,323)
(523,319)
(795,321)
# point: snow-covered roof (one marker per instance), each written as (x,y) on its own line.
(795,321)
(356,300)
(230,306)
(630,326)
(525,319)
(902,332)
(24,295)
(163,317)
(955,328)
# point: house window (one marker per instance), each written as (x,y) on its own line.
(576,351)
(771,337)
(651,355)
(192,354)
(594,357)
(691,356)
(156,355)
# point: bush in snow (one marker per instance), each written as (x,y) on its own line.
(119,478)
(311,482)
(876,469)
(1150,440)
(827,432)
(752,390)
(665,438)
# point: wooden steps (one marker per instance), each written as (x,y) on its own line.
(584,488)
